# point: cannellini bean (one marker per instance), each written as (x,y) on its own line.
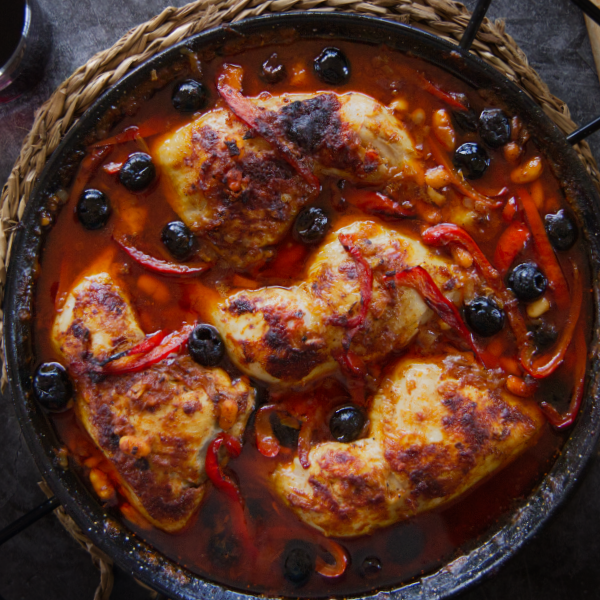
(528,172)
(228,410)
(443,130)
(537,194)
(436,197)
(462,257)
(130,444)
(418,116)
(399,105)
(154,288)
(538,308)
(299,76)
(437,177)
(102,486)
(519,386)
(512,152)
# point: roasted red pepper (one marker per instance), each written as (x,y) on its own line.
(264,123)
(378,204)
(446,97)
(171,344)
(511,242)
(545,252)
(420,280)
(143,347)
(563,421)
(340,558)
(223,482)
(89,166)
(266,442)
(365,279)
(457,179)
(156,265)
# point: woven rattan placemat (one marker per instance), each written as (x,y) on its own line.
(61,111)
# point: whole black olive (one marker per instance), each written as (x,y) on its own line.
(189,96)
(206,346)
(561,230)
(494,127)
(286,435)
(346,423)
(484,316)
(332,66)
(93,209)
(370,567)
(311,225)
(465,120)
(224,549)
(472,160)
(178,239)
(527,281)
(272,71)
(52,386)
(544,336)
(299,565)
(138,172)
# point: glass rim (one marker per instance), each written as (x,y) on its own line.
(8,69)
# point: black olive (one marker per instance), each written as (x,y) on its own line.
(346,423)
(93,209)
(178,239)
(311,225)
(484,316)
(332,66)
(189,96)
(494,127)
(52,386)
(527,281)
(370,567)
(224,549)
(206,345)
(472,159)
(272,71)
(544,336)
(286,435)
(299,565)
(138,172)
(561,230)
(465,120)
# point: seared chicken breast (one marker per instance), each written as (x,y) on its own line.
(292,336)
(233,189)
(438,426)
(154,426)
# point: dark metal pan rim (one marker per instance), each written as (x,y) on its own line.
(107,532)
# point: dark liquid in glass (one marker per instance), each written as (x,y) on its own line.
(13,17)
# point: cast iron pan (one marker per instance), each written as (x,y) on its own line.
(104,528)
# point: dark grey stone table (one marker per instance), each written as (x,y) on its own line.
(44,562)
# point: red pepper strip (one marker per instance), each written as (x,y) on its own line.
(544,366)
(352,364)
(264,123)
(304,443)
(223,482)
(151,127)
(511,242)
(89,165)
(377,204)
(438,93)
(365,279)
(448,233)
(510,209)
(563,421)
(143,347)
(156,265)
(266,442)
(420,280)
(340,557)
(288,262)
(548,261)
(457,179)
(112,168)
(172,343)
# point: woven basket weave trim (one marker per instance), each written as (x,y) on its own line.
(444,18)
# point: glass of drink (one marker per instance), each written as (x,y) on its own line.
(24,45)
